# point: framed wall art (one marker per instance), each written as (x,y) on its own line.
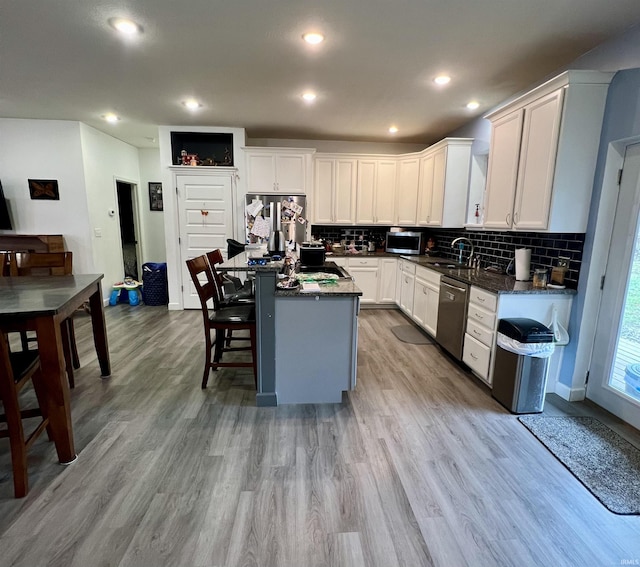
(44,189)
(155,196)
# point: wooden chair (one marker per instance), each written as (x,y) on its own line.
(49,264)
(239,293)
(4,264)
(221,320)
(16,369)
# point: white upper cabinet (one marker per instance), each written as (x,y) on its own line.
(407,191)
(376,191)
(366,184)
(323,188)
(444,182)
(335,190)
(278,170)
(503,171)
(543,154)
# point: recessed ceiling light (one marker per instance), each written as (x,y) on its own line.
(473,105)
(442,79)
(111,117)
(313,38)
(393,130)
(309,96)
(127,27)
(192,104)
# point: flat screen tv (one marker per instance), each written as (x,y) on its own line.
(5,218)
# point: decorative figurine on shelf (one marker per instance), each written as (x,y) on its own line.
(477,213)
(188,159)
(226,160)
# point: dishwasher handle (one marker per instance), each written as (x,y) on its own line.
(460,289)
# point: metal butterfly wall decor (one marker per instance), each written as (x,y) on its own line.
(44,189)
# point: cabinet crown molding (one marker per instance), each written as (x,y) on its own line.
(412,155)
(572,77)
(269,149)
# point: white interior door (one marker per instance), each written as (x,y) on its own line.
(617,339)
(206,221)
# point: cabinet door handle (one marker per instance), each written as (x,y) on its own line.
(508,218)
(516,216)
(424,290)
(476,332)
(480,299)
(473,356)
(479,316)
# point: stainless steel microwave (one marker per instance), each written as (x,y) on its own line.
(404,242)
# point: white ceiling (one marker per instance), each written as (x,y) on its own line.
(245,60)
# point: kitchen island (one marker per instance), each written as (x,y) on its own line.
(306,341)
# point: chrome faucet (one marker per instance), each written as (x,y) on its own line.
(464,239)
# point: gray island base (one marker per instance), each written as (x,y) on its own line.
(307,341)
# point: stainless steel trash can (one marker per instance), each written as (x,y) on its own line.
(519,380)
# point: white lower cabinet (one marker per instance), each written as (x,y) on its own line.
(364,272)
(480,332)
(433,300)
(420,301)
(407,284)
(425,299)
(477,356)
(387,270)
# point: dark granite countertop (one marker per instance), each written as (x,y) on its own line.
(489,281)
(341,287)
(240,263)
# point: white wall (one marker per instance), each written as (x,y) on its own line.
(151,222)
(106,160)
(47,149)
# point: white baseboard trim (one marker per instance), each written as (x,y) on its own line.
(175,307)
(570,394)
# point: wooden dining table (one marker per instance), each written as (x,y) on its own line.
(41,303)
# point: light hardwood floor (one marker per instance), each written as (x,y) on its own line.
(418,466)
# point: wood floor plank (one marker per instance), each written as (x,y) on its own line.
(418,466)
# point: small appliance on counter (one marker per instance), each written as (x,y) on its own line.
(312,254)
(404,242)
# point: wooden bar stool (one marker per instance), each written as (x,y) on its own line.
(221,320)
(16,369)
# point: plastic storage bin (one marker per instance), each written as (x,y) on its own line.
(522,363)
(155,289)
(632,380)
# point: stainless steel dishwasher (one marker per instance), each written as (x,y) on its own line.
(452,315)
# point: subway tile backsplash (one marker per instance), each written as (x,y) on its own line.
(493,248)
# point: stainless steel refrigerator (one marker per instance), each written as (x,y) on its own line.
(261,213)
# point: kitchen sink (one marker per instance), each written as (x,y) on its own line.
(452,265)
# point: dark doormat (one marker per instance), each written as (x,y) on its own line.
(607,464)
(409,334)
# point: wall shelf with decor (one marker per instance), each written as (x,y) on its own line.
(202,149)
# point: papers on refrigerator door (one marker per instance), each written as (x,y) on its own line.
(261,227)
(254,207)
(293,206)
